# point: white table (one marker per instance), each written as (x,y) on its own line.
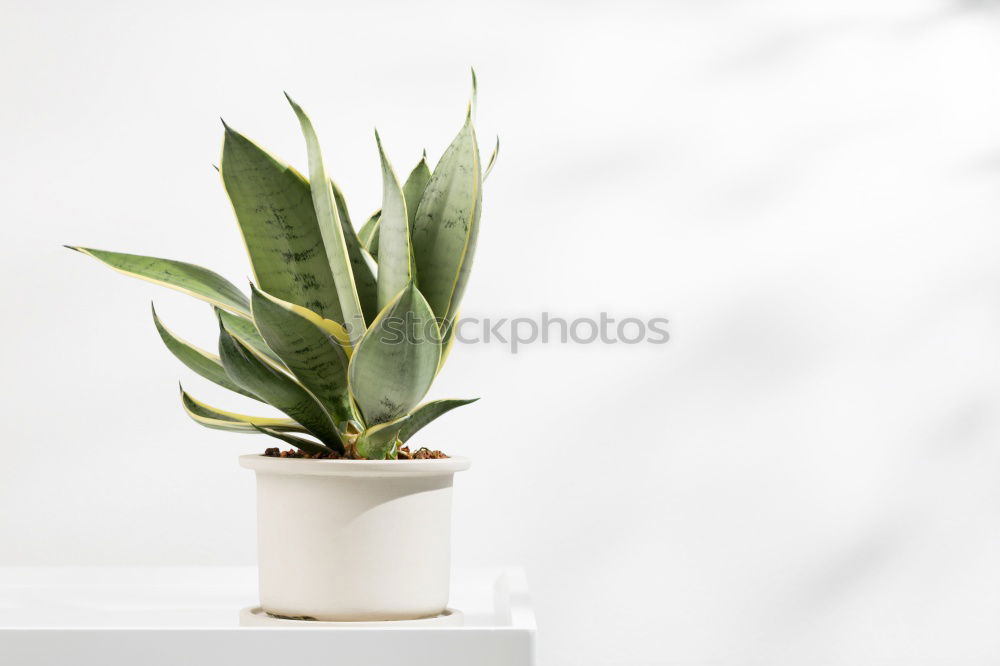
(191,617)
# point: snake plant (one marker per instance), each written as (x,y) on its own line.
(343,331)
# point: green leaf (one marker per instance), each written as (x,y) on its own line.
(364,278)
(273,205)
(395,266)
(246,331)
(379,442)
(200,361)
(426,413)
(333,232)
(188,278)
(369,231)
(220,419)
(413,188)
(300,443)
(446,226)
(256,375)
(394,364)
(473,103)
(373,245)
(302,340)
(492,160)
(448,341)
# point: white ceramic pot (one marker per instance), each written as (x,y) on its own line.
(354,540)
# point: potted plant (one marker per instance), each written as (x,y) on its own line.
(343,332)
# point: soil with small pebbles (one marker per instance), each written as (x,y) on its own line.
(422,453)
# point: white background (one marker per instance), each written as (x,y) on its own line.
(807,473)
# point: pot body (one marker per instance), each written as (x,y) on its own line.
(354,540)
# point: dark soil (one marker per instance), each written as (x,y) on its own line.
(422,453)
(404,454)
(275,452)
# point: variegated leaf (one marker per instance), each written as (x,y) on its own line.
(182,276)
(395,266)
(394,364)
(492,160)
(364,278)
(446,225)
(426,413)
(220,419)
(258,376)
(332,231)
(448,341)
(369,231)
(274,208)
(204,363)
(301,443)
(379,442)
(244,328)
(413,188)
(301,338)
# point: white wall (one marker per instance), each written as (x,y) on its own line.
(808,473)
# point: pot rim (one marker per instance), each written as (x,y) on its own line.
(357,468)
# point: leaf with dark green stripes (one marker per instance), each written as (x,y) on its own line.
(200,361)
(256,375)
(394,364)
(301,339)
(188,278)
(334,242)
(446,225)
(426,413)
(274,208)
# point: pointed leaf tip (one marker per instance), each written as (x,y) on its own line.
(493,159)
(188,278)
(295,105)
(427,413)
(333,233)
(446,224)
(473,103)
